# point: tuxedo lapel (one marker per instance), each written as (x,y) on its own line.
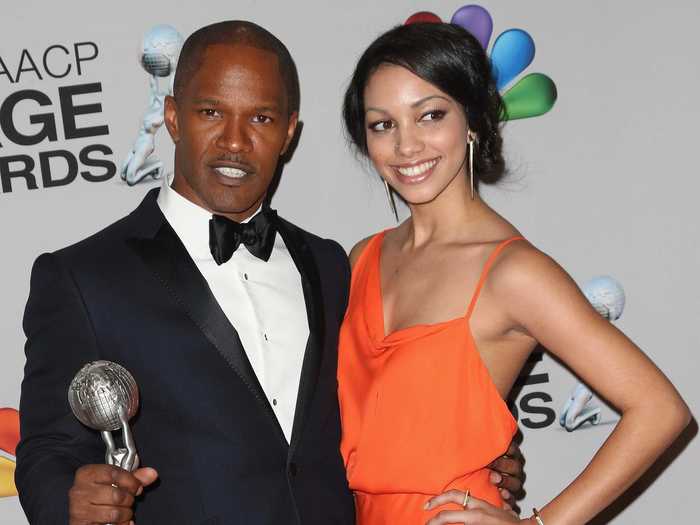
(302,256)
(164,254)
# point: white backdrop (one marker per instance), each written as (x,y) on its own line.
(605,183)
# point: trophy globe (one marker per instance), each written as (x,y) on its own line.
(606,295)
(160,49)
(102,394)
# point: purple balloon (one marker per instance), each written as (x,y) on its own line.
(476,20)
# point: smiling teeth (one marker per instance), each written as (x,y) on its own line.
(420,169)
(234,173)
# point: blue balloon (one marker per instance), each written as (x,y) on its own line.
(512,52)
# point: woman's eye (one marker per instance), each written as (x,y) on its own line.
(263,119)
(433,115)
(382,125)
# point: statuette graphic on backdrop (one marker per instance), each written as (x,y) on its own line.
(9,437)
(104,396)
(159,53)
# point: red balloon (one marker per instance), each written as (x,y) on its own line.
(423,16)
(9,429)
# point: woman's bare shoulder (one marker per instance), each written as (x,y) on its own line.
(523,271)
(521,262)
(357,250)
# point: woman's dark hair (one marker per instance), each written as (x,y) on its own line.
(451,59)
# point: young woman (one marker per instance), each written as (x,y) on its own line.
(445,308)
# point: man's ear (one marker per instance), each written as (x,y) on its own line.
(170,117)
(291,129)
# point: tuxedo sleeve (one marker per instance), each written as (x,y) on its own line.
(345,275)
(60,340)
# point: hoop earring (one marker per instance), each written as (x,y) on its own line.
(390,198)
(471,166)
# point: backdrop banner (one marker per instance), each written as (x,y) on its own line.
(600,144)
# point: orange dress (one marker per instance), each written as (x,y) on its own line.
(420,413)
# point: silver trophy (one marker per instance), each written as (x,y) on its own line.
(104,396)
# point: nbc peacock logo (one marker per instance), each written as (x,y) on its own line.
(9,437)
(512,52)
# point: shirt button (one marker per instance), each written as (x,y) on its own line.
(245,276)
(265,336)
(274,402)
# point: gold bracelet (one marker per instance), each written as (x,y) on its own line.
(537,516)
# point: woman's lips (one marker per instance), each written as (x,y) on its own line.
(416,173)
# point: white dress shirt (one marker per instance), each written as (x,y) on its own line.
(264,302)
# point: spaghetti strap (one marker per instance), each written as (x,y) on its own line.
(372,245)
(485,272)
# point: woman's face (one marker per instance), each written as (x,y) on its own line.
(416,134)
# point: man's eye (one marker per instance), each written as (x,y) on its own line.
(437,114)
(263,119)
(209,113)
(382,125)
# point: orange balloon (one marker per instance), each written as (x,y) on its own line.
(9,430)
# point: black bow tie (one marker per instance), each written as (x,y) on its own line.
(258,235)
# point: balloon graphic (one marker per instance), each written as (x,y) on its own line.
(512,52)
(476,20)
(7,477)
(423,16)
(9,437)
(532,96)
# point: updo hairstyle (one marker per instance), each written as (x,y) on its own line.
(451,59)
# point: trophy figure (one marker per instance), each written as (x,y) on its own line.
(607,296)
(104,396)
(159,53)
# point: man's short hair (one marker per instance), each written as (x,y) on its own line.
(232,32)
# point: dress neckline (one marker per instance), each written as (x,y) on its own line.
(411,331)
(415,331)
(383,343)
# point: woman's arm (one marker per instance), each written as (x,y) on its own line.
(543,300)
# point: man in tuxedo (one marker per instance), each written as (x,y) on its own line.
(226,315)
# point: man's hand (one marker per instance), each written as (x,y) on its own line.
(105,494)
(508,475)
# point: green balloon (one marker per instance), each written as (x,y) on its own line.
(532,96)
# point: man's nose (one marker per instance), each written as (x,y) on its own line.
(234,136)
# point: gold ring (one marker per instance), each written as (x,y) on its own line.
(466,499)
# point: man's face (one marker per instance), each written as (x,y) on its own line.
(230,124)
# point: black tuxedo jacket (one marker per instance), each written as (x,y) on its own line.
(131,294)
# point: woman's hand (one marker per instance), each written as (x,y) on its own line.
(476,511)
